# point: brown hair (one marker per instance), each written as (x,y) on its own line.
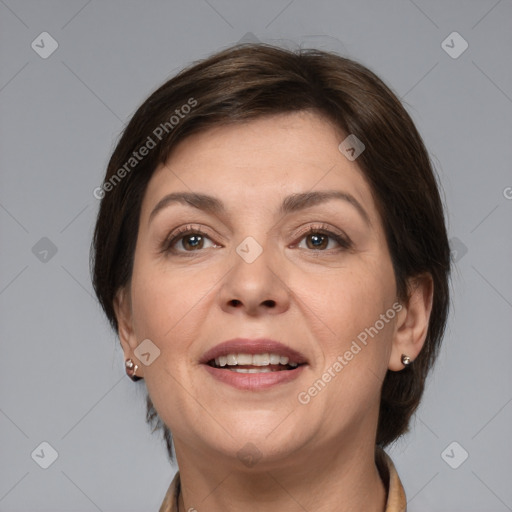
(249,81)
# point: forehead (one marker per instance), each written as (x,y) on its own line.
(260,161)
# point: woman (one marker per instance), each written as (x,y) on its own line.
(271,250)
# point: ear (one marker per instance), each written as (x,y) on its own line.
(412,321)
(123,311)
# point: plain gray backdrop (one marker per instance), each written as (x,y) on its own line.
(62,380)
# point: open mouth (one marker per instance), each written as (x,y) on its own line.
(254,363)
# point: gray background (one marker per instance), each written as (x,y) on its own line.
(61,373)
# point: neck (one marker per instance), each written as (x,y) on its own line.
(346,481)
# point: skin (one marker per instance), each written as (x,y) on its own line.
(316,300)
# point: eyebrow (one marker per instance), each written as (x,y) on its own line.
(290,204)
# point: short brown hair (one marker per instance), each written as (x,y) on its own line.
(250,81)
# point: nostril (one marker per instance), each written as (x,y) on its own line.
(269,303)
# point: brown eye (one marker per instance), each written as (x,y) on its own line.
(320,240)
(317,241)
(187,240)
(193,242)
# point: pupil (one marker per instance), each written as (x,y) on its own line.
(191,238)
(317,240)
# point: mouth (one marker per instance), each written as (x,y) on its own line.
(254,363)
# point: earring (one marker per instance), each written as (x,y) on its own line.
(131,368)
(406,360)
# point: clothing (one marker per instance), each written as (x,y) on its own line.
(396,501)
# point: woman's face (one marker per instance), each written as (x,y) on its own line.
(263,257)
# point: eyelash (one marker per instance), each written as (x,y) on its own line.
(343,240)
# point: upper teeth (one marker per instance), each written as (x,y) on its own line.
(252,359)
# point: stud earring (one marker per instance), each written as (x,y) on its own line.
(131,369)
(406,360)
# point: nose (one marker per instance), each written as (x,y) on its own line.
(255,288)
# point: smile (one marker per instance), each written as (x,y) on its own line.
(253,363)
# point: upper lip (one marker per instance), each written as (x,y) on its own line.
(252,346)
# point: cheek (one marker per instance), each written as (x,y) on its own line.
(163,299)
(167,310)
(346,303)
(354,342)
(353,337)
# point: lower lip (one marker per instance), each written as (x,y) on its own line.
(254,381)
